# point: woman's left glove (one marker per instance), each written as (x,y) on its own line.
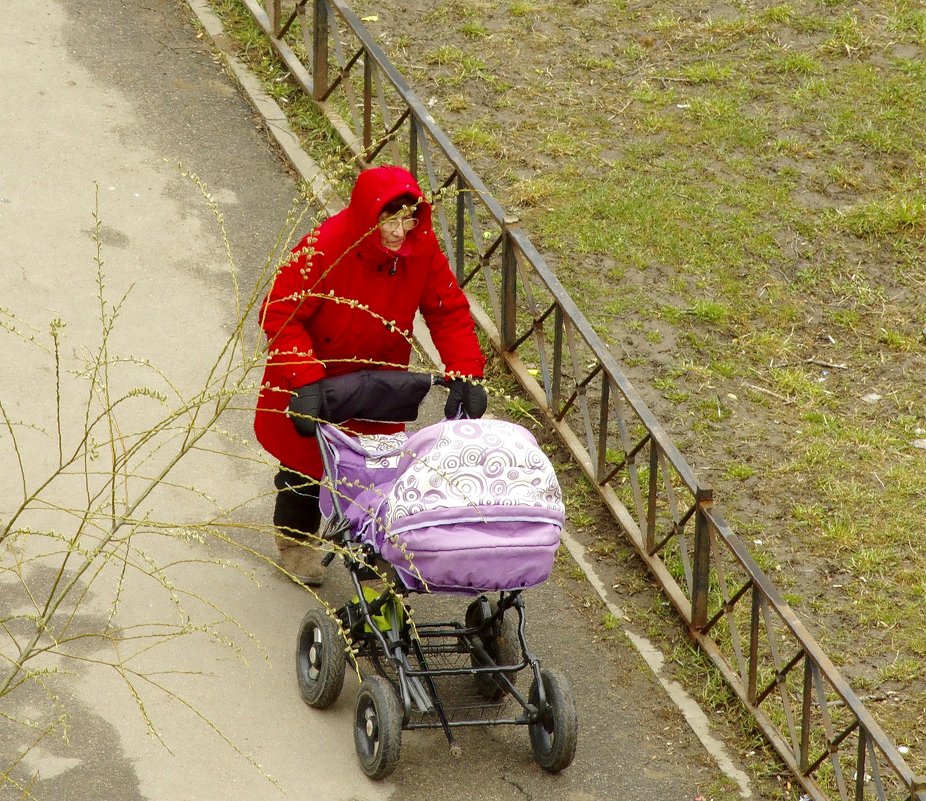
(468,397)
(305,407)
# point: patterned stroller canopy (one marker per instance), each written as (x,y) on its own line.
(464,506)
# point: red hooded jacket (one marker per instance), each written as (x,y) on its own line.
(345,303)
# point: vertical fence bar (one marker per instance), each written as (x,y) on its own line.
(752,680)
(460,228)
(367,104)
(276,16)
(603,428)
(806,704)
(649,536)
(557,393)
(413,146)
(860,763)
(320,49)
(701,566)
(509,289)
(306,32)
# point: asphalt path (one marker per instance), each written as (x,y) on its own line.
(107,109)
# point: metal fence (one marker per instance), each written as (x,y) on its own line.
(801,702)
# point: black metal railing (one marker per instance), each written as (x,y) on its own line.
(802,703)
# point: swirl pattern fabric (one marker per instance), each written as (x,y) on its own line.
(460,506)
(473,464)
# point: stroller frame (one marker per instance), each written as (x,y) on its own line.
(410,660)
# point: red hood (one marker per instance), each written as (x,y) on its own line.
(375,188)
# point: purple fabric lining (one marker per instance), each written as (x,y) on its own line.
(359,466)
(480,516)
(464,558)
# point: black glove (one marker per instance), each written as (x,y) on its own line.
(305,407)
(469,397)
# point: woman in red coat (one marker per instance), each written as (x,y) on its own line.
(345,302)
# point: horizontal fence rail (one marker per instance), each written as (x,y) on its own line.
(801,702)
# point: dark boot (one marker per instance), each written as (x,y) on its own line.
(297,517)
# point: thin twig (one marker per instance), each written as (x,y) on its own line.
(782,398)
(818,362)
(827,364)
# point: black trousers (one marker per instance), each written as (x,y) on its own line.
(296,511)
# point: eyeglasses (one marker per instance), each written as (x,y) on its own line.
(395,223)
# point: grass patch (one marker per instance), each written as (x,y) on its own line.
(523,9)
(909,21)
(738,472)
(791,63)
(882,218)
(707,72)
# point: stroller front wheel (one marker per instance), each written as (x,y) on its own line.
(320,659)
(378,727)
(555,733)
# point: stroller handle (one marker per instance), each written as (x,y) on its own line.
(387,396)
(382,396)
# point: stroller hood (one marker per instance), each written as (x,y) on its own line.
(464,505)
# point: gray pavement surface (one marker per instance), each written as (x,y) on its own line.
(116,95)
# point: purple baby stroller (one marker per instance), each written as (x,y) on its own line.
(467,507)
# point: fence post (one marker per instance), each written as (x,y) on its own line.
(320,49)
(753,678)
(603,419)
(509,287)
(649,536)
(413,146)
(276,14)
(460,250)
(860,759)
(558,325)
(367,104)
(806,704)
(702,559)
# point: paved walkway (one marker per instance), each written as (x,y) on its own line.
(115,96)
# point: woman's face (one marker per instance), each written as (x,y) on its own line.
(393,228)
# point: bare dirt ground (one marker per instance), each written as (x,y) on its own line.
(742,190)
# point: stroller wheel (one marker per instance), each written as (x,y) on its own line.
(501,644)
(320,659)
(554,735)
(377,727)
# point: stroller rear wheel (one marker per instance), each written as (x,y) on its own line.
(501,644)
(554,735)
(377,727)
(320,659)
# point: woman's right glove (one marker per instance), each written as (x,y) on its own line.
(305,407)
(468,397)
